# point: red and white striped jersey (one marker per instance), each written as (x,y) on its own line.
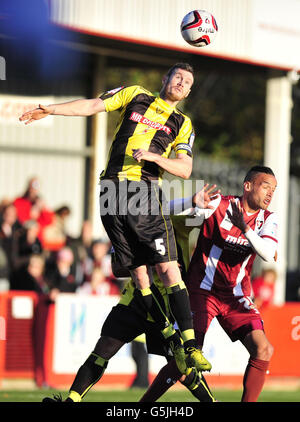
(223,257)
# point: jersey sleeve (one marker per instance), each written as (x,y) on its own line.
(270,228)
(265,242)
(118,98)
(183,143)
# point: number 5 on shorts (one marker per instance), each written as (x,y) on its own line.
(160,247)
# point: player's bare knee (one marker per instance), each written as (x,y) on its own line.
(264,351)
(107,347)
(140,277)
(168,272)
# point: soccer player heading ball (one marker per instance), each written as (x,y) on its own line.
(149,129)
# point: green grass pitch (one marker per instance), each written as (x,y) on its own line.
(133,395)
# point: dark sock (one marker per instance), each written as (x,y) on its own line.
(181,311)
(197,385)
(154,309)
(166,377)
(140,357)
(88,374)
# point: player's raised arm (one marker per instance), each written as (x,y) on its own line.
(199,201)
(82,107)
(203,198)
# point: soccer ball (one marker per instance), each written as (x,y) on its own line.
(199,28)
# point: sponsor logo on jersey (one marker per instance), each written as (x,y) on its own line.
(139,118)
(236,240)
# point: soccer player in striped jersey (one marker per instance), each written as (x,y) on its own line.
(149,129)
(129,319)
(234,231)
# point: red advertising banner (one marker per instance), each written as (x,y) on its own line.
(282,327)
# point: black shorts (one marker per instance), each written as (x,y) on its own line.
(134,217)
(124,324)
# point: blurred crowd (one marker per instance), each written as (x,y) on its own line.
(37,253)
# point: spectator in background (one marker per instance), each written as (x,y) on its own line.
(8,226)
(85,239)
(30,206)
(25,243)
(99,284)
(81,247)
(54,234)
(59,273)
(99,257)
(32,277)
(8,221)
(4,269)
(264,288)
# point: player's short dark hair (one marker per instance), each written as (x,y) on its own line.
(251,174)
(184,66)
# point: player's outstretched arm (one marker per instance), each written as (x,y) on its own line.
(207,194)
(82,107)
(200,201)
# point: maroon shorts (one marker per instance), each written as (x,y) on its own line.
(237,315)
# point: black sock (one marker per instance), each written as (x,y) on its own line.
(197,385)
(181,311)
(88,374)
(154,309)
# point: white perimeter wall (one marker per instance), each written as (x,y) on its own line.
(261,31)
(49,149)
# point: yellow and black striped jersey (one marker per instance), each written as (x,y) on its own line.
(146,122)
